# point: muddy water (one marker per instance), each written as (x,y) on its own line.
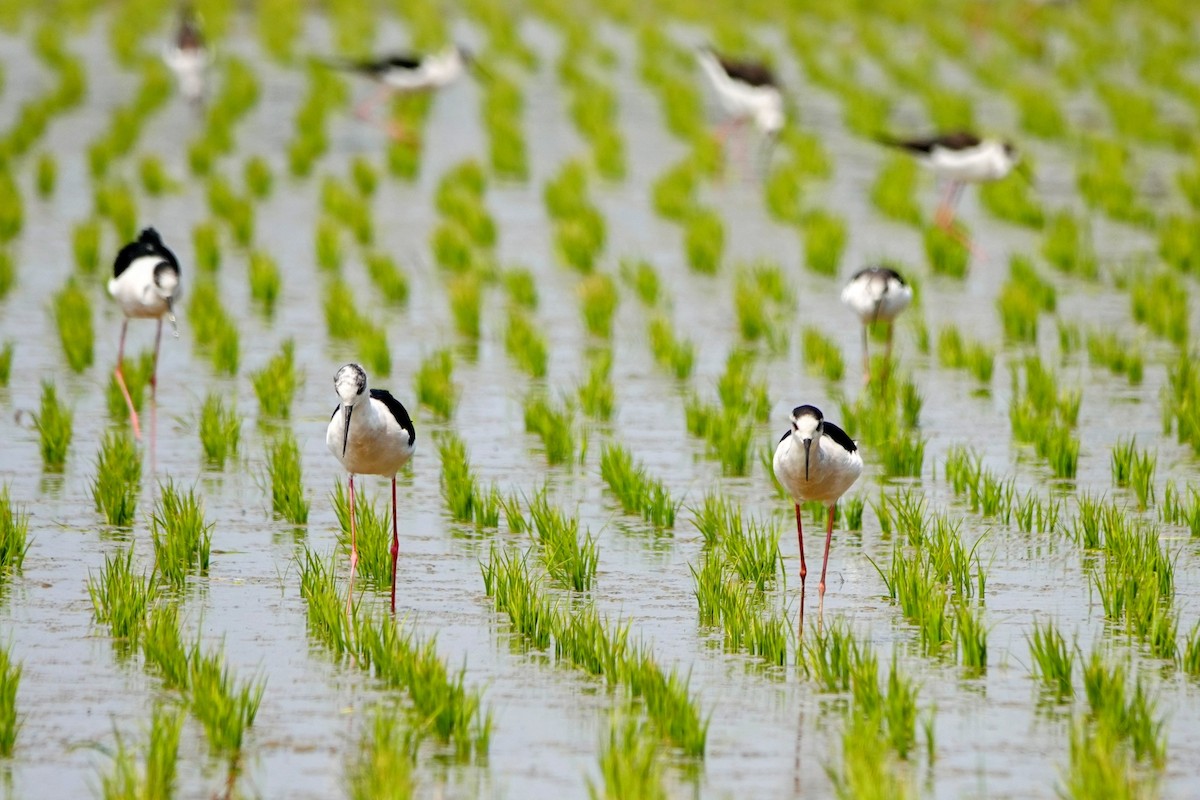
(770,733)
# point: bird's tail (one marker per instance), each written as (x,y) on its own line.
(342,64)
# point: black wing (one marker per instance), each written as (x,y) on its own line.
(840,436)
(958,140)
(781,438)
(397,410)
(754,73)
(148,243)
(887,273)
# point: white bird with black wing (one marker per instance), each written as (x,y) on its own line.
(370,433)
(876,294)
(816,460)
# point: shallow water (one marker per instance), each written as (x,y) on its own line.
(771,734)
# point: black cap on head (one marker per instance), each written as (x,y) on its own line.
(807,411)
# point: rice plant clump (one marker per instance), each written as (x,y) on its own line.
(287,486)
(14,536)
(220,431)
(73,316)
(182,539)
(10,682)
(276,383)
(54,423)
(118,478)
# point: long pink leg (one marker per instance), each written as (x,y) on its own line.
(154,399)
(363,109)
(395,544)
(825,563)
(353,549)
(945,211)
(800,538)
(133,417)
(866,354)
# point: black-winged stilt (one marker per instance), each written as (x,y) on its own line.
(815,460)
(404,73)
(747,90)
(876,294)
(371,433)
(187,56)
(146,283)
(960,157)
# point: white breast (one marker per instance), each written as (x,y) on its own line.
(831,470)
(135,290)
(377,446)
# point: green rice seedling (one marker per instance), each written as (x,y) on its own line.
(276,383)
(441,700)
(850,511)
(155,179)
(45,175)
(753,554)
(1179,510)
(1101,175)
(1013,201)
(1053,662)
(452,247)
(6,359)
(73,317)
(673,191)
(8,273)
(824,241)
(1115,712)
(1120,356)
(740,389)
(373,535)
(676,355)
(206,239)
(122,600)
(465,293)
(554,425)
(823,355)
(157,777)
(1160,302)
(14,536)
(1022,299)
(328,245)
(727,432)
(220,431)
(506,579)
(385,758)
(956,352)
(598,297)
(1067,248)
(704,240)
(1178,243)
(118,478)
(224,707)
(597,397)
(459,486)
(527,345)
(257,176)
(637,492)
(521,287)
(85,243)
(287,486)
(54,422)
(1189,660)
(895,188)
(715,517)
(570,559)
(831,656)
(1133,468)
(137,374)
(434,384)
(364,175)
(388,277)
(265,280)
(325,608)
(182,539)
(1039,110)
(946,251)
(10,682)
(971,634)
(643,279)
(630,763)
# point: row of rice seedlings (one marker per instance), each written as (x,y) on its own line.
(1180,509)
(822,355)
(466,500)
(122,599)
(1067,246)
(947,250)
(1135,115)
(118,478)
(1120,742)
(276,383)
(10,682)
(1052,662)
(582,639)
(182,539)
(385,757)
(1160,302)
(327,92)
(1118,355)
(114,201)
(257,177)
(762,298)
(235,210)
(1181,401)
(85,245)
(579,227)
(220,431)
(345,206)
(73,317)
(465,293)
(1134,469)
(592,104)
(54,422)
(154,177)
(45,175)
(885,420)
(137,372)
(704,240)
(1102,180)
(1045,415)
(156,777)
(1013,200)
(521,287)
(956,352)
(728,433)
(673,192)
(630,761)
(526,344)
(128,121)
(570,559)
(675,354)
(987,493)
(6,360)
(598,298)
(206,244)
(325,609)
(502,104)
(824,241)
(668,69)
(344,321)
(214,328)
(554,424)
(637,492)
(35,115)
(597,397)
(434,384)
(1023,298)
(388,277)
(894,191)
(1179,243)
(287,485)
(14,537)
(266,282)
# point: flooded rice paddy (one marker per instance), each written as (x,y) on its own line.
(1058,335)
